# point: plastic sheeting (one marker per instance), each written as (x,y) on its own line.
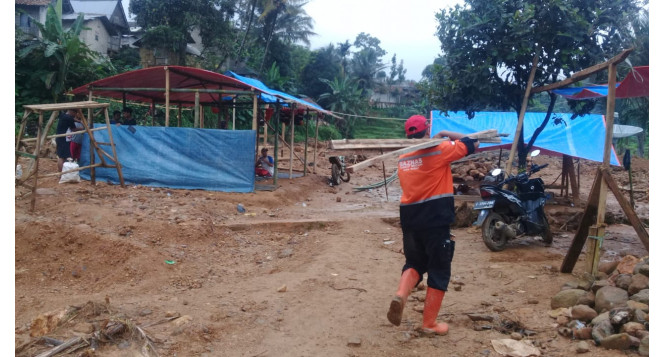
(582,137)
(183,158)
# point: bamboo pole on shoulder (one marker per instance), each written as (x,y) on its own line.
(522,113)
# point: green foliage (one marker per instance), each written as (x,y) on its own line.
(127,59)
(325,63)
(344,96)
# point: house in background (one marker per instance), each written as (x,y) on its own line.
(105,21)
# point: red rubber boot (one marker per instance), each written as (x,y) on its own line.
(409,279)
(432,304)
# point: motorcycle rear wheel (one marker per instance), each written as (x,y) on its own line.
(494,240)
(336,174)
(345,177)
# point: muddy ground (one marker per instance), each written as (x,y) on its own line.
(307,270)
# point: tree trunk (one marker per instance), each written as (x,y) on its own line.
(246,33)
(524,149)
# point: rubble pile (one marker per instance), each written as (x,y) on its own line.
(612,310)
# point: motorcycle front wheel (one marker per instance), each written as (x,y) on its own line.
(493,239)
(336,174)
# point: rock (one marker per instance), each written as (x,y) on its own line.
(584,284)
(567,298)
(627,264)
(602,330)
(338,199)
(584,313)
(181,321)
(598,284)
(582,347)
(631,328)
(639,282)
(354,342)
(619,341)
(607,267)
(282,288)
(570,285)
(145,312)
(641,334)
(285,253)
(480,317)
(46,322)
(516,336)
(584,333)
(635,305)
(623,281)
(509,347)
(587,299)
(620,316)
(601,317)
(640,317)
(641,296)
(644,347)
(609,297)
(561,311)
(562,320)
(565,331)
(533,301)
(172,313)
(642,269)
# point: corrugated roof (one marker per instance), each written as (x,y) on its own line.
(103,7)
(33,2)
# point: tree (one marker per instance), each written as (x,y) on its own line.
(63,52)
(489,46)
(325,63)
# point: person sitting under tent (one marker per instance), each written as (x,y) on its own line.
(264,164)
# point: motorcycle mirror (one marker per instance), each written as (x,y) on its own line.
(496,172)
(535,153)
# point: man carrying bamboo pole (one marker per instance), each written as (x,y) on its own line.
(426,212)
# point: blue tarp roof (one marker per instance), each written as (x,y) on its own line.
(582,137)
(273,94)
(184,158)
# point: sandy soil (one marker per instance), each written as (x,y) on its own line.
(308,270)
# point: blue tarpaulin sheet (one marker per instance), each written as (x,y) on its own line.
(582,137)
(183,158)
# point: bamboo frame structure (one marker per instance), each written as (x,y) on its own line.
(42,131)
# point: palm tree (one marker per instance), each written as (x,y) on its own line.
(285,19)
(345,95)
(365,65)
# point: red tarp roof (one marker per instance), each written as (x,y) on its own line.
(635,84)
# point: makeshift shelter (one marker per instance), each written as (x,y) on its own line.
(582,137)
(635,84)
(188,87)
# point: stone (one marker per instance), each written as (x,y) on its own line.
(145,312)
(582,347)
(607,267)
(599,284)
(516,336)
(627,264)
(584,313)
(644,346)
(640,317)
(620,316)
(620,341)
(587,299)
(623,281)
(639,282)
(181,321)
(635,305)
(282,289)
(480,317)
(584,333)
(561,311)
(631,328)
(602,330)
(609,297)
(354,342)
(567,298)
(584,284)
(601,317)
(562,320)
(643,269)
(533,301)
(641,296)
(285,253)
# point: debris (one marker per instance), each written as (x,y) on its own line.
(240,208)
(512,348)
(282,289)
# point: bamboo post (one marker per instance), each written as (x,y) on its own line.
(197,100)
(21,130)
(283,135)
(306,141)
(234,112)
(118,167)
(292,132)
(522,113)
(316,145)
(33,199)
(277,109)
(254,118)
(93,173)
(167,95)
(202,111)
(47,128)
(179,114)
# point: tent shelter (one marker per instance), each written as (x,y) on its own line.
(635,84)
(178,86)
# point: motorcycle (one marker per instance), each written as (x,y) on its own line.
(339,172)
(506,215)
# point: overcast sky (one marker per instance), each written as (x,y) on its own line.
(405,28)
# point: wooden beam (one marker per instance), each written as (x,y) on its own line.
(292,134)
(634,220)
(167,95)
(316,145)
(254,116)
(197,100)
(64,106)
(522,113)
(581,235)
(583,74)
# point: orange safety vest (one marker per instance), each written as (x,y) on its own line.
(426,181)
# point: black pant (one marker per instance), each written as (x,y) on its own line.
(430,251)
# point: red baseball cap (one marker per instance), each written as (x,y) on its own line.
(416,124)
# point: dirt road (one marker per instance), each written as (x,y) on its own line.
(308,270)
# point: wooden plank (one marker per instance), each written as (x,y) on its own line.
(522,113)
(583,74)
(64,106)
(634,220)
(582,232)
